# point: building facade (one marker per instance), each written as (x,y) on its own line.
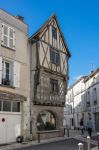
(14,78)
(82,101)
(49,76)
(33,79)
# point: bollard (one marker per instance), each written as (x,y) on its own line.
(98,140)
(88,142)
(64,131)
(38,137)
(68,132)
(80,145)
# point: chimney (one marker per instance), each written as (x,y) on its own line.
(21,18)
(92,71)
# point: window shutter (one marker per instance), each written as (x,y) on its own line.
(2,39)
(0,70)
(13,39)
(16,79)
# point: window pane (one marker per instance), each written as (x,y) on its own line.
(16,107)
(11,33)
(52,85)
(6,106)
(56,86)
(52,56)
(11,43)
(5,30)
(7,70)
(5,40)
(54,32)
(57,58)
(0,105)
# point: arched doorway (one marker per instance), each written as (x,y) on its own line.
(46,120)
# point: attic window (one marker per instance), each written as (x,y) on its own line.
(54,32)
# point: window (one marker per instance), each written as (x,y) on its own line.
(6,72)
(54,57)
(7,106)
(8,38)
(54,32)
(46,121)
(10,106)
(54,86)
(88,99)
(9,72)
(16,107)
(95,96)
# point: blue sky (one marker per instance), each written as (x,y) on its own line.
(79,20)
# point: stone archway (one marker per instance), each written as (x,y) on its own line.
(46,120)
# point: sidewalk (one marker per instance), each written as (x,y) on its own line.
(72,134)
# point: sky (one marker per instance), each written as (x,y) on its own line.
(79,21)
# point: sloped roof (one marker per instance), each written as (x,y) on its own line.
(37,33)
(77,81)
(93,73)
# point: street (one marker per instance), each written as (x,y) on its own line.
(68,144)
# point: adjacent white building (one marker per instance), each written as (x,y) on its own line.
(82,100)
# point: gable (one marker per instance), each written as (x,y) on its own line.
(45,34)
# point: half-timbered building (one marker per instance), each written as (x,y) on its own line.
(49,57)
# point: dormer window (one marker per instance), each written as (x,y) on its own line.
(54,32)
(54,57)
(8,36)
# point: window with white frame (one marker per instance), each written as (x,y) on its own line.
(10,106)
(15,106)
(8,36)
(9,72)
(7,106)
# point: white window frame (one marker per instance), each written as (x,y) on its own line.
(11,107)
(8,36)
(4,70)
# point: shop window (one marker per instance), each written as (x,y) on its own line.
(46,121)
(7,106)
(16,107)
